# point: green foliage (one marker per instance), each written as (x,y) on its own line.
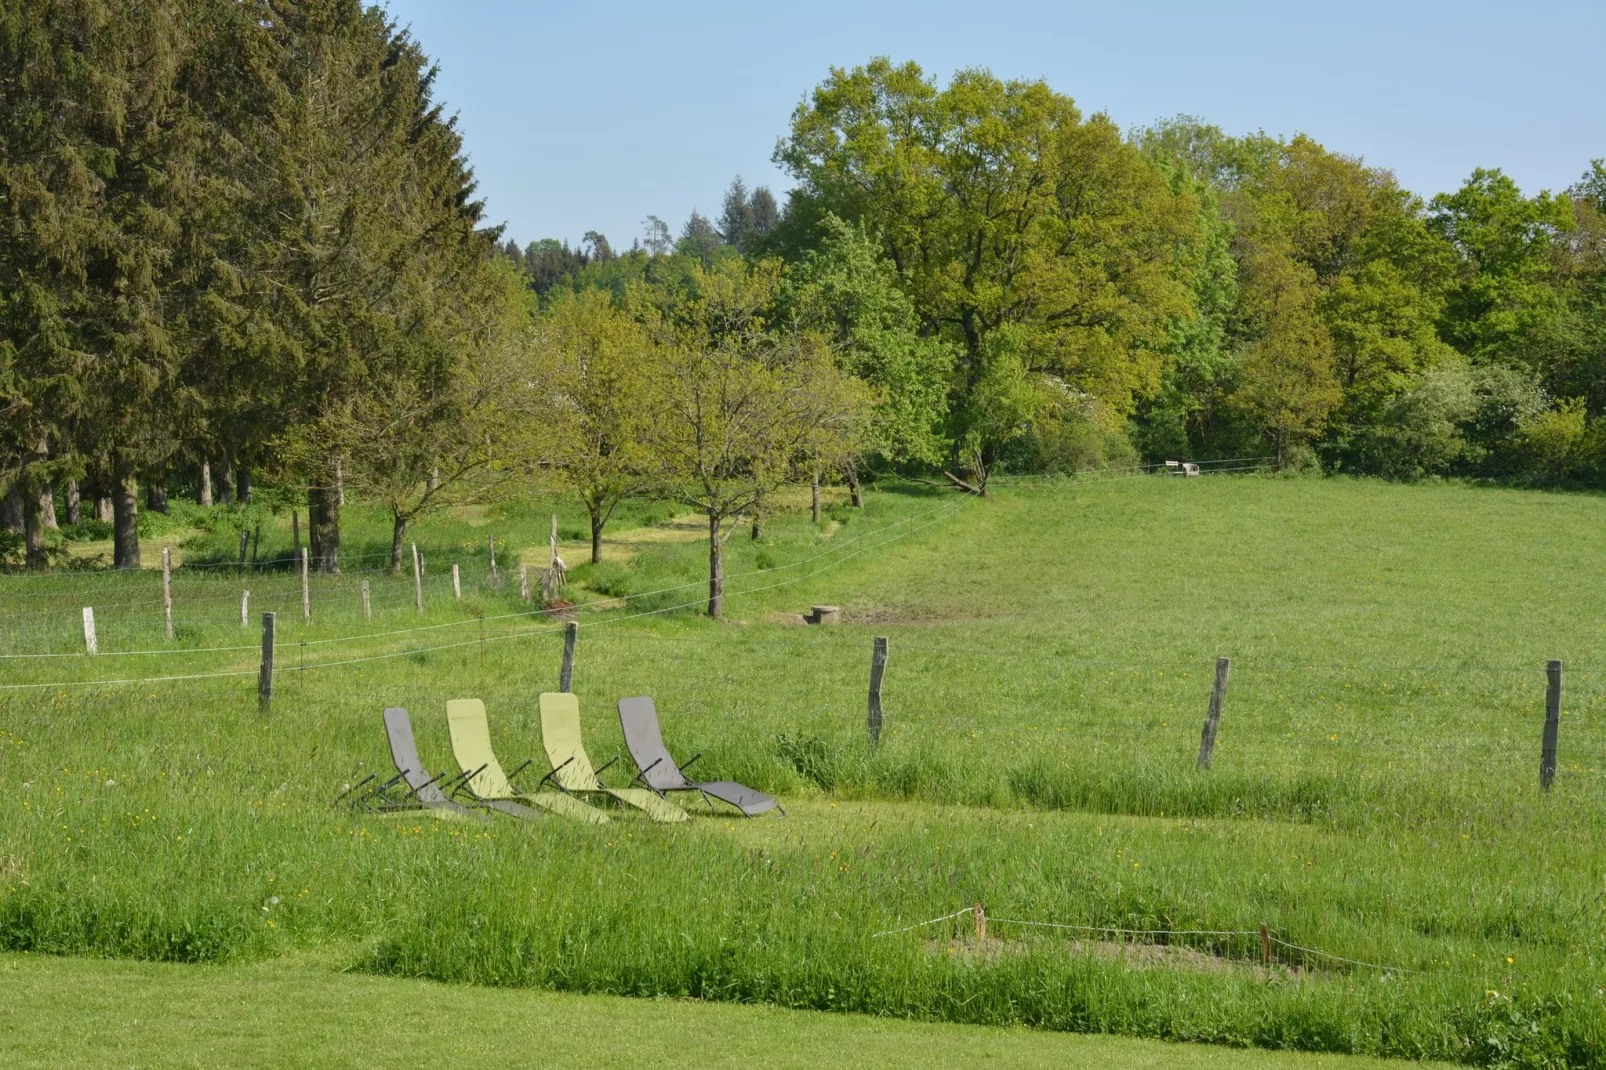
(1001,208)
(845,288)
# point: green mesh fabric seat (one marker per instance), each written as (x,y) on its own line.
(571,766)
(485,778)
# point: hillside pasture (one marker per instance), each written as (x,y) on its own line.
(1374,799)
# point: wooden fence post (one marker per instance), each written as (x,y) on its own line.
(571,632)
(878,671)
(418,580)
(980,914)
(167,588)
(367,607)
(245,607)
(457,585)
(1265,945)
(265,676)
(490,545)
(89,631)
(524,582)
(1218,699)
(306,593)
(1547,752)
(245,541)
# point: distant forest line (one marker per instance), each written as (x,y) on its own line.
(245,259)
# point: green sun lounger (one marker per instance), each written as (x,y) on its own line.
(485,779)
(571,766)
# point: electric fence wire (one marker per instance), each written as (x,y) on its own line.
(1147,933)
(482,639)
(947,508)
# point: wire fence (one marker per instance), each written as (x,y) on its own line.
(1266,938)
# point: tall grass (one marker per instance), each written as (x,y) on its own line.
(1374,792)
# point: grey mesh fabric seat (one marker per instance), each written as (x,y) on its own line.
(638,717)
(423,791)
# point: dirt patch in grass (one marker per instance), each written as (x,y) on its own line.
(1134,955)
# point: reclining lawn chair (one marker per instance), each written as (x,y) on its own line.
(571,766)
(423,792)
(639,720)
(484,779)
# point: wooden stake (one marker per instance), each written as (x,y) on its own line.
(490,545)
(1265,945)
(245,607)
(878,671)
(457,586)
(245,540)
(980,914)
(1218,699)
(167,588)
(1547,751)
(367,609)
(89,631)
(571,632)
(306,593)
(418,579)
(524,582)
(265,676)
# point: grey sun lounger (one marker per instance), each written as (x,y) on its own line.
(422,791)
(638,717)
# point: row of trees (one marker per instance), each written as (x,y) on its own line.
(241,235)
(1181,292)
(229,226)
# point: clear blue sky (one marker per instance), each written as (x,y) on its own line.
(590,116)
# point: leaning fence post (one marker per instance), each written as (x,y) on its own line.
(89,631)
(265,676)
(457,585)
(306,595)
(1265,945)
(878,670)
(367,607)
(571,632)
(245,607)
(1547,752)
(418,580)
(167,588)
(1218,699)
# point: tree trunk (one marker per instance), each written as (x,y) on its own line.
(12,510)
(203,496)
(242,479)
(857,490)
(758,528)
(225,484)
(433,483)
(156,493)
(125,519)
(295,534)
(75,508)
(340,485)
(33,526)
(103,509)
(816,491)
(398,531)
(47,508)
(597,523)
(716,567)
(323,529)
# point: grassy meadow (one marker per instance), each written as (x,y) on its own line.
(1374,798)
